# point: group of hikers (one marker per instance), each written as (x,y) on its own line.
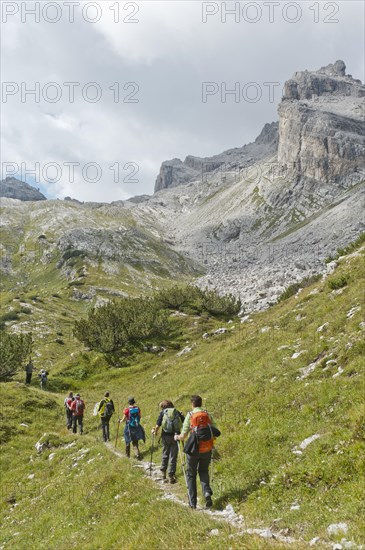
(198,428)
(75,408)
(42,375)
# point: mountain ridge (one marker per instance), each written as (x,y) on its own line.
(262,217)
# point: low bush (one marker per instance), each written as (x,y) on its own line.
(13,351)
(293,289)
(193,300)
(337,282)
(119,328)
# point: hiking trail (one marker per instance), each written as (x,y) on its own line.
(228,515)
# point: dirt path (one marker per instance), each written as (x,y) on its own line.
(227,515)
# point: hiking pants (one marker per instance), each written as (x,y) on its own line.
(77,420)
(105,428)
(198,464)
(68,419)
(135,448)
(28,377)
(169,453)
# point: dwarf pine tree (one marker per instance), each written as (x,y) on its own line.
(14,349)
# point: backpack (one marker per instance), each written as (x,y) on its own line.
(134,417)
(108,409)
(171,421)
(79,407)
(68,401)
(200,423)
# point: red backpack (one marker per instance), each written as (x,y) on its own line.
(79,408)
(201,424)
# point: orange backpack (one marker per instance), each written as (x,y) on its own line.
(200,424)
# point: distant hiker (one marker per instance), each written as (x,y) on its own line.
(43,375)
(105,411)
(78,409)
(133,431)
(171,421)
(29,368)
(200,424)
(68,402)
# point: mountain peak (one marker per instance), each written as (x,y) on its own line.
(331,79)
(13,188)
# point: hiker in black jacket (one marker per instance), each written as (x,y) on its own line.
(171,420)
(105,411)
(29,368)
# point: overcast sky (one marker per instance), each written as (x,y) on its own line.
(161,53)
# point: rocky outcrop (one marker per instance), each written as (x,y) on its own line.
(137,199)
(13,188)
(176,172)
(321,128)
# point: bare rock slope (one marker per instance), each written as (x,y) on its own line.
(268,214)
(251,220)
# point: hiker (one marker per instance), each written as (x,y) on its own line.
(171,421)
(43,375)
(68,402)
(105,411)
(133,431)
(29,368)
(199,423)
(77,408)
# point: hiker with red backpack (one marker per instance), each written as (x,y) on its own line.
(202,429)
(78,409)
(170,420)
(68,402)
(133,431)
(105,411)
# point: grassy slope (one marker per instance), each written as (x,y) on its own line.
(250,382)
(83,495)
(40,292)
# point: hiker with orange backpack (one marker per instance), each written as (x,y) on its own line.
(202,428)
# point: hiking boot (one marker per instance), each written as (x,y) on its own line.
(172,479)
(208,502)
(192,506)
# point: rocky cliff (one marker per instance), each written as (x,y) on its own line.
(13,188)
(176,172)
(251,220)
(321,128)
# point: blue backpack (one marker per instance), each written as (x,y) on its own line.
(134,417)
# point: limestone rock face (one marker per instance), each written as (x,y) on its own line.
(13,188)
(176,172)
(321,128)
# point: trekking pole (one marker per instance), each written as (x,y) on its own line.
(183,469)
(153,443)
(116,439)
